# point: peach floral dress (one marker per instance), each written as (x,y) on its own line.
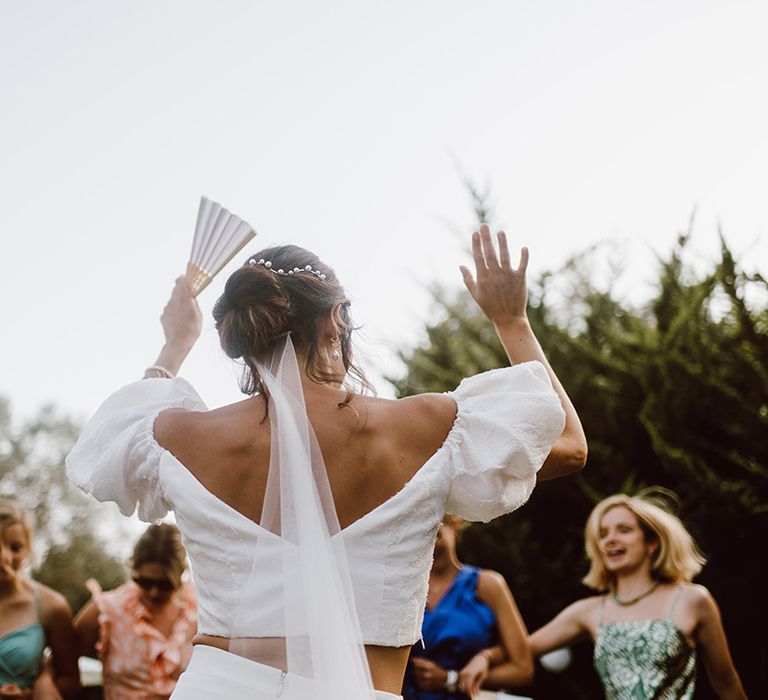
(140,662)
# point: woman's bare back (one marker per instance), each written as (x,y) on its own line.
(371,447)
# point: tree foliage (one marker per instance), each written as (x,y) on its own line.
(70,529)
(673,392)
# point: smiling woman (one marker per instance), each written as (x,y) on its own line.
(651,621)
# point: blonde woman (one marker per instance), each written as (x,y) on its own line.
(32,617)
(650,621)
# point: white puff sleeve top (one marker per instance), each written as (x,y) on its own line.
(506,423)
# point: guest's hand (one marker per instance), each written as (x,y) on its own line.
(181,318)
(429,676)
(499,290)
(471,677)
(45,686)
(10,690)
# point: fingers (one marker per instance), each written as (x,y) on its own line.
(470,683)
(503,250)
(477,254)
(489,251)
(469,281)
(523,265)
(484,251)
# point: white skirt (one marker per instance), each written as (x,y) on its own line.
(214,673)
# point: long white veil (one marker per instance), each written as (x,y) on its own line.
(299,536)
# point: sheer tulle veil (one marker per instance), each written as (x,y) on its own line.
(320,628)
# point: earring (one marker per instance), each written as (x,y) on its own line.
(335,353)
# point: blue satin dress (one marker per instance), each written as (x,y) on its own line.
(454,631)
(21,652)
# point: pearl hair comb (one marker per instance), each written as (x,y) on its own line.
(280,271)
(219,236)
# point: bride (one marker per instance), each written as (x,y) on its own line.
(309,511)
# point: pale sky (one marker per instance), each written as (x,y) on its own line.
(337,126)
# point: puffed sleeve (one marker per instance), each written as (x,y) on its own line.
(117,457)
(506,423)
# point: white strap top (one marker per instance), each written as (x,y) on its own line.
(506,423)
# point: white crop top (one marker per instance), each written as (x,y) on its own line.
(506,423)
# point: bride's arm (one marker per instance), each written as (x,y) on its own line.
(182,323)
(501,292)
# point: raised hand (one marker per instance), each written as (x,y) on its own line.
(182,323)
(181,317)
(499,289)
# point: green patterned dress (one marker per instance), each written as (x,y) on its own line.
(645,659)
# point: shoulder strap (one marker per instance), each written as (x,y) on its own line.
(673,606)
(469,575)
(601,614)
(36,594)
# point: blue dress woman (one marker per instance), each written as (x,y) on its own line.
(472,634)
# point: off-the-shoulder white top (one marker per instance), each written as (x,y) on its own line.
(506,423)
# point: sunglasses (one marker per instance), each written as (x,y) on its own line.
(147,584)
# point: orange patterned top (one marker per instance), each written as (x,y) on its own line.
(141,663)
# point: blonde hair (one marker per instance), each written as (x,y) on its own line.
(677,558)
(13,513)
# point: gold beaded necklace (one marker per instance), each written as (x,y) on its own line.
(637,598)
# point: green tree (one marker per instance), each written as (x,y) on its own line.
(673,392)
(70,529)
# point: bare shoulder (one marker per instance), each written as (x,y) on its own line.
(585,610)
(410,430)
(491,584)
(493,590)
(178,425)
(425,414)
(53,605)
(698,599)
(170,423)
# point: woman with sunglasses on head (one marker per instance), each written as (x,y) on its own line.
(310,510)
(649,622)
(32,617)
(142,631)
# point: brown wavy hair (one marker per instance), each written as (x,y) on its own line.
(259,308)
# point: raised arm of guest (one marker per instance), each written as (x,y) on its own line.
(501,292)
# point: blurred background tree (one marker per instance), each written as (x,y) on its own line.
(673,392)
(74,537)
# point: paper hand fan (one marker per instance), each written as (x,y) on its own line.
(219,235)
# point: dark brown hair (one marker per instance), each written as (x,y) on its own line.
(259,307)
(161,544)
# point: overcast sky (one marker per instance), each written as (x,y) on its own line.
(338,126)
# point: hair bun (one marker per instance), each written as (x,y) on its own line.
(253,313)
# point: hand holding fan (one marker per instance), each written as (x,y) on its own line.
(219,235)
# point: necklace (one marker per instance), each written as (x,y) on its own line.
(638,597)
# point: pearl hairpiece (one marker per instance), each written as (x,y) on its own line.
(295,270)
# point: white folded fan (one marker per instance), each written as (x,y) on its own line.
(219,235)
